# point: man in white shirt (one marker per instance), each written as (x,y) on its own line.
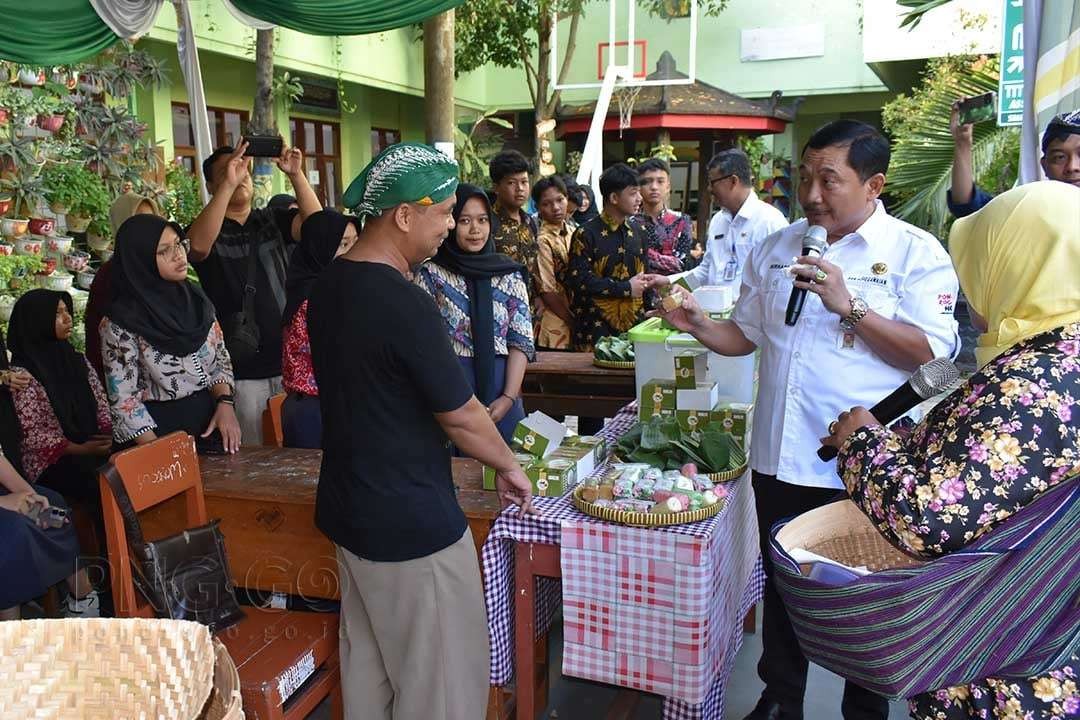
(741,223)
(880,304)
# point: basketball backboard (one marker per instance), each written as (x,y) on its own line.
(619,33)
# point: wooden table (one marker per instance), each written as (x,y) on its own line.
(567,383)
(265,498)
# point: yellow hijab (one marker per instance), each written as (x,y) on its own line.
(125,206)
(1018,260)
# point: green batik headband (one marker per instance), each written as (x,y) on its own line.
(402,173)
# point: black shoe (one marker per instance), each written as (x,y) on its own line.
(772,710)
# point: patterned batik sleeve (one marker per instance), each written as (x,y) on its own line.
(520,332)
(120,356)
(684,239)
(104,420)
(221,370)
(545,264)
(43,441)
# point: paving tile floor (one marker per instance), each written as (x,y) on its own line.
(572,699)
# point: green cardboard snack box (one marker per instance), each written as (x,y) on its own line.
(691,367)
(657,398)
(736,419)
(552,477)
(596,443)
(692,421)
(525,460)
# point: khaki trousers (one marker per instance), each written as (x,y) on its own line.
(414,637)
(249,403)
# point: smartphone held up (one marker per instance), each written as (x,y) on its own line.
(978,109)
(268,146)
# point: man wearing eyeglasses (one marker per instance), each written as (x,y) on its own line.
(742,221)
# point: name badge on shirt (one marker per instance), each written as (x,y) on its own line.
(731,269)
(846,340)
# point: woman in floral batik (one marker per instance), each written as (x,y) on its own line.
(994,445)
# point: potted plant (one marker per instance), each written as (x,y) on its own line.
(76,192)
(26,187)
(31,76)
(15,153)
(49,110)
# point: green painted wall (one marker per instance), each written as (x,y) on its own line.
(383,73)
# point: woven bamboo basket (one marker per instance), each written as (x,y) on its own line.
(643,519)
(614,364)
(841,531)
(109,668)
(225,702)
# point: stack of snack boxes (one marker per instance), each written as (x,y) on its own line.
(553,460)
(694,401)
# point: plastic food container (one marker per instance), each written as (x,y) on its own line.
(655,348)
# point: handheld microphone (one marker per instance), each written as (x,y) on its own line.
(930,379)
(814,243)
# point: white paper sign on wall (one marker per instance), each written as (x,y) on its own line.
(797,41)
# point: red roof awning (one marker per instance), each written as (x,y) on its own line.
(669,121)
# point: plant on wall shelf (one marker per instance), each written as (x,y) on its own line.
(17,266)
(73,187)
(181,201)
(26,188)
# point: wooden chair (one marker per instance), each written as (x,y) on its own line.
(288,661)
(272,432)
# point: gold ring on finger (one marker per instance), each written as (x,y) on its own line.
(821,276)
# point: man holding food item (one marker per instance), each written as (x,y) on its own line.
(393,396)
(879,303)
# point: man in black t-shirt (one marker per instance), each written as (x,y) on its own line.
(222,238)
(393,396)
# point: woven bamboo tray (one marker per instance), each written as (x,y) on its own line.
(640,519)
(111,668)
(614,364)
(726,476)
(841,531)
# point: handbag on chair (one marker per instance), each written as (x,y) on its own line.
(184,576)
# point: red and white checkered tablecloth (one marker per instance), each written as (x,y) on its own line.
(658,610)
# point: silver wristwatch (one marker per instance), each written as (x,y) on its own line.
(859,308)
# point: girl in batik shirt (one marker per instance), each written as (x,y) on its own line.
(484,301)
(1003,438)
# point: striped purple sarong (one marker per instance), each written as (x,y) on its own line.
(1006,606)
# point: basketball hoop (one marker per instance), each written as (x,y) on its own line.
(626,96)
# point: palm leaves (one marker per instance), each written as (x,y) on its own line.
(918,9)
(921,167)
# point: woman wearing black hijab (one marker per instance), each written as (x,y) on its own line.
(588,210)
(63,412)
(164,355)
(323,236)
(484,300)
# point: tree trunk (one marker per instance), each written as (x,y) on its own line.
(262,115)
(439,81)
